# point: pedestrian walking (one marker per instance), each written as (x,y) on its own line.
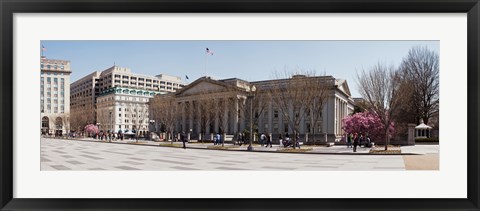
(218,141)
(349,140)
(262,139)
(183,138)
(240,139)
(269,140)
(355,142)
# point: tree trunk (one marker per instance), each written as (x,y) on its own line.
(313,135)
(386,140)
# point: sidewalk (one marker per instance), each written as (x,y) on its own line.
(339,149)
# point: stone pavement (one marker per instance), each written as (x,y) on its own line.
(59,154)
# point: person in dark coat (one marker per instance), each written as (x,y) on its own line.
(269,140)
(356,140)
(183,138)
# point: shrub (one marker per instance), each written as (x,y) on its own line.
(426,140)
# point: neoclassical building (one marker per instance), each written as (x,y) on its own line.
(231,101)
(54,96)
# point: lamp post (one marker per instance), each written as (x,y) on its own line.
(152,122)
(251,95)
(98,126)
(111,122)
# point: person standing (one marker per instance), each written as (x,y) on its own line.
(355,142)
(183,138)
(262,139)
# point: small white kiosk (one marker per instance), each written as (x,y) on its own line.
(422,131)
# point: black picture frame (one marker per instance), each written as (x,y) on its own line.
(10,7)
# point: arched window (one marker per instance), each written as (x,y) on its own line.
(58,123)
(45,122)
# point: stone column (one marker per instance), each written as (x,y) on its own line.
(411,134)
(291,113)
(199,115)
(184,127)
(270,118)
(190,114)
(225,115)
(260,119)
(235,116)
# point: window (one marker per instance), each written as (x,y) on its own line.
(119,115)
(285,127)
(275,113)
(48,79)
(119,109)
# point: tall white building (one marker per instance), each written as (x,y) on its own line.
(55,96)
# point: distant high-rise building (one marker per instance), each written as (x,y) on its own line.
(55,96)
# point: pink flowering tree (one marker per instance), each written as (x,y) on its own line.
(91,129)
(367,123)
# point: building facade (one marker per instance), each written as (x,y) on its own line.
(106,97)
(55,96)
(234,106)
(124,109)
(83,96)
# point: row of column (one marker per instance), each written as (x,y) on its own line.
(231,125)
(341,111)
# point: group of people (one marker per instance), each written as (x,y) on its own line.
(109,136)
(288,141)
(356,139)
(265,139)
(217,139)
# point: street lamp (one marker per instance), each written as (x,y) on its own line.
(152,122)
(251,95)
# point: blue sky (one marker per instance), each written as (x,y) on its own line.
(248,60)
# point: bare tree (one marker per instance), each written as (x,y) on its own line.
(288,94)
(139,118)
(103,119)
(316,88)
(204,110)
(165,110)
(380,87)
(77,121)
(259,105)
(420,79)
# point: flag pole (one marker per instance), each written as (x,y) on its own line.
(206,57)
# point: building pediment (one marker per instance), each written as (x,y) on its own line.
(204,86)
(343,87)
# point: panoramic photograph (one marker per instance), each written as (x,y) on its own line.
(230,105)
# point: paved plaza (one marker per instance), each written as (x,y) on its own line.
(62,154)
